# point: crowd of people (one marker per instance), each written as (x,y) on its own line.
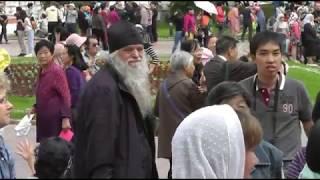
(215,115)
(298,23)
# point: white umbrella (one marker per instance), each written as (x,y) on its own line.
(206,6)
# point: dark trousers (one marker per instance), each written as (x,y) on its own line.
(203,38)
(245,27)
(149,31)
(170,169)
(4,33)
(51,29)
(71,27)
(100,35)
(154,33)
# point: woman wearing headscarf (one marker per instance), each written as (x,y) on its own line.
(178,96)
(295,33)
(281,26)
(210,143)
(270,157)
(309,39)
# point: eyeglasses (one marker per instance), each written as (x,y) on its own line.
(95,45)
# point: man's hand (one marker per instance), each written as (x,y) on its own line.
(66,124)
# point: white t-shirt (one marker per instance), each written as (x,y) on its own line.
(28,26)
(52,14)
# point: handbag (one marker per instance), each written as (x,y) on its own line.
(171,102)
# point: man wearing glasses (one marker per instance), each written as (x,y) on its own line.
(90,54)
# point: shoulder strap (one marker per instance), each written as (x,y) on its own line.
(226,71)
(172,103)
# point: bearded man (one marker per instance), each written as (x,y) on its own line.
(114,136)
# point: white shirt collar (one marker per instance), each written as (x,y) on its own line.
(223,58)
(282,79)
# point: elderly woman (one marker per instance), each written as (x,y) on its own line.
(7,165)
(213,143)
(177,97)
(53,101)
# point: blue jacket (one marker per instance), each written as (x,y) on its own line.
(7,170)
(270,162)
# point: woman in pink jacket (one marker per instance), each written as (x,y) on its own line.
(189,24)
(295,33)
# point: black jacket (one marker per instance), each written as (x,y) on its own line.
(112,140)
(217,71)
(310,41)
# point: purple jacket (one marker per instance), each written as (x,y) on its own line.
(75,82)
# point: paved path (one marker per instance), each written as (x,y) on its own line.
(163,48)
(23,171)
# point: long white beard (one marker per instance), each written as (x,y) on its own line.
(136,79)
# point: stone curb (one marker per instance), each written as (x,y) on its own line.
(15,122)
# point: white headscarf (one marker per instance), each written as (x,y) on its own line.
(293,18)
(280,23)
(308,19)
(209,143)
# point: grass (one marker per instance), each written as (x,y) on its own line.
(20,105)
(308,75)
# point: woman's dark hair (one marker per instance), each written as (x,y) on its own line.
(103,5)
(227,90)
(313,149)
(64,34)
(189,45)
(44,43)
(206,13)
(74,52)
(18,9)
(112,8)
(43,16)
(96,10)
(53,158)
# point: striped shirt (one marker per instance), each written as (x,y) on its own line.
(150,52)
(297,164)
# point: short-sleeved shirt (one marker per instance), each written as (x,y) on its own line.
(293,100)
(7,170)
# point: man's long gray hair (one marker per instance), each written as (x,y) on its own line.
(136,79)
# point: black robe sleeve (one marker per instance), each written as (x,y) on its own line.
(102,133)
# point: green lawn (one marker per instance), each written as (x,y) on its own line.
(310,76)
(20,104)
